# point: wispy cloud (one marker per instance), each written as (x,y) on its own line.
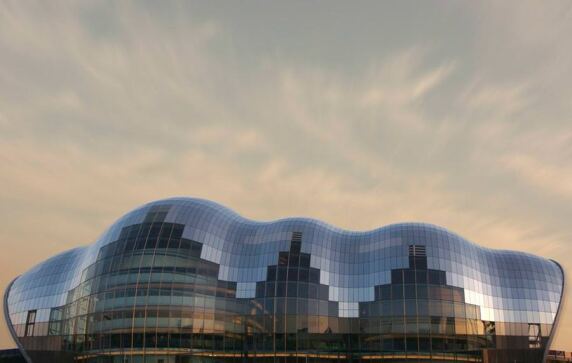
(544,174)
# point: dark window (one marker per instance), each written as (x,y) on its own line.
(282,271)
(314,275)
(292,274)
(260,287)
(312,291)
(296,242)
(302,290)
(294,259)
(281,289)
(271,273)
(409,291)
(396,276)
(421,292)
(292,289)
(323,292)
(303,274)
(30,323)
(283,259)
(534,336)
(397,308)
(409,277)
(421,277)
(397,292)
(385,292)
(304,260)
(271,289)
(436,277)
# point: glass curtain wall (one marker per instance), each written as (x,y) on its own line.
(187,280)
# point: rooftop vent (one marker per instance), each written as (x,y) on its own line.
(417,250)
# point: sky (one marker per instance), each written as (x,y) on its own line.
(361,114)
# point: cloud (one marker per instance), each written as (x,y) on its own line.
(107,106)
(399,81)
(542,174)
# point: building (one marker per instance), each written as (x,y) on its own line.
(188,280)
(555,356)
(11,356)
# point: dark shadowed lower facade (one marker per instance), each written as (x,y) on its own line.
(187,280)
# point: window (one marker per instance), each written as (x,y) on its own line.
(534,335)
(30,323)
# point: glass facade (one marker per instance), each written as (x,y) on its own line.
(187,280)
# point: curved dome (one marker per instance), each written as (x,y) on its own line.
(495,303)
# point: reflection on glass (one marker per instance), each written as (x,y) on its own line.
(184,280)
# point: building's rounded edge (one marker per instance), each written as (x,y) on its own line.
(230,212)
(9,323)
(557,317)
(219,207)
